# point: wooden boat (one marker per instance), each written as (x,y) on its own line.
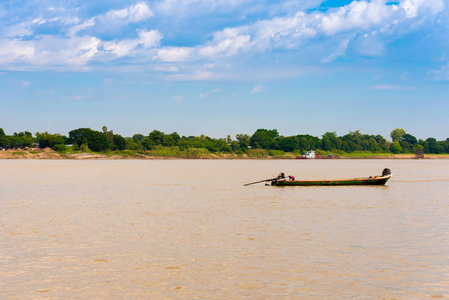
(371,180)
(376,180)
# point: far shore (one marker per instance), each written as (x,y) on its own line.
(51,154)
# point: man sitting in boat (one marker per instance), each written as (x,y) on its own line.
(281,176)
(291,177)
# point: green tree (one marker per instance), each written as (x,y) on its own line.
(326,143)
(77,136)
(168,141)
(410,139)
(131,144)
(97,142)
(60,147)
(175,136)
(6,141)
(119,142)
(396,148)
(397,134)
(243,141)
(438,147)
(431,143)
(314,141)
(46,139)
(24,133)
(2,132)
(265,139)
(303,144)
(147,143)
(94,140)
(138,138)
(288,144)
(382,143)
(156,136)
(110,137)
(242,137)
(18,140)
(209,144)
(354,141)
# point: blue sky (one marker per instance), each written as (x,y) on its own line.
(219,67)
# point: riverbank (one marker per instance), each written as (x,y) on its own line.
(48,153)
(51,154)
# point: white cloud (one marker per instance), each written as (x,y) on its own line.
(208,94)
(226,47)
(369,45)
(72,31)
(339,50)
(178,7)
(391,87)
(174,54)
(194,72)
(316,36)
(193,76)
(50,52)
(412,7)
(292,31)
(358,15)
(56,51)
(166,69)
(16,50)
(179,98)
(150,38)
(257,89)
(133,14)
(75,98)
(442,74)
(114,18)
(147,39)
(120,48)
(86,50)
(25,83)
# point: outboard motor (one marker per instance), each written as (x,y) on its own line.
(386,172)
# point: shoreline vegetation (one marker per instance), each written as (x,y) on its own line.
(85,143)
(48,153)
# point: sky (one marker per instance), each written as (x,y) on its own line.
(224,67)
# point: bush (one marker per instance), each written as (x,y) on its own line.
(163,151)
(60,148)
(257,153)
(127,153)
(84,148)
(276,153)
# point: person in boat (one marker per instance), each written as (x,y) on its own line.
(291,177)
(281,176)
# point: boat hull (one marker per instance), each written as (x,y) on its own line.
(377,180)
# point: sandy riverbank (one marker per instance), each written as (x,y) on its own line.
(50,154)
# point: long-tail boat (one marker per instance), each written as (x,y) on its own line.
(371,180)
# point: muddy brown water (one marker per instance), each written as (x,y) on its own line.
(189,229)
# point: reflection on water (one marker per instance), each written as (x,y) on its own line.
(189,229)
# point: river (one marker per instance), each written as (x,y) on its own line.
(189,229)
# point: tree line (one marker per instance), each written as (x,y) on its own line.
(86,139)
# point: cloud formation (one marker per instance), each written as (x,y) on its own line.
(208,94)
(69,38)
(441,74)
(257,89)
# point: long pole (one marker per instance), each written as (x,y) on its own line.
(259,181)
